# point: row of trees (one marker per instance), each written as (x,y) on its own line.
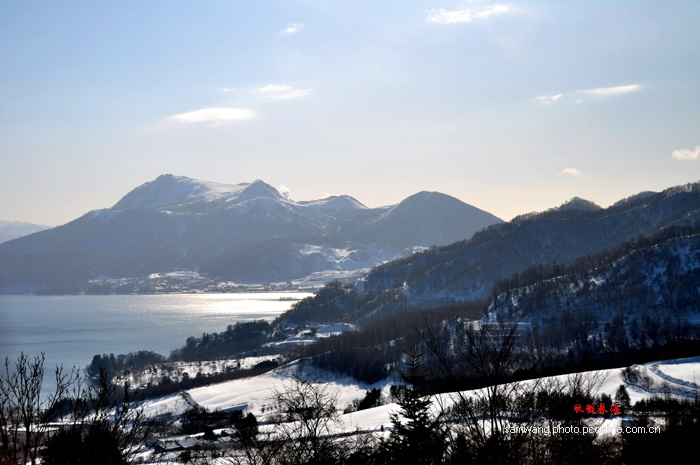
(237,338)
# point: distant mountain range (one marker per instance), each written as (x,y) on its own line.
(13,229)
(245,233)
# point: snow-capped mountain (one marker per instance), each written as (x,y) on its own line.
(245,232)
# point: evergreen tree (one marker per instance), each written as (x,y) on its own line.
(421,439)
(622,398)
(246,427)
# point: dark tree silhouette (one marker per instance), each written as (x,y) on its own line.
(417,436)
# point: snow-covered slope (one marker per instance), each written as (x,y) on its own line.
(169,190)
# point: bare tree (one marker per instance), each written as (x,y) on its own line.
(489,354)
(507,420)
(304,428)
(22,408)
(105,426)
(306,420)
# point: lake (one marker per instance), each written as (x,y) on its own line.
(71,329)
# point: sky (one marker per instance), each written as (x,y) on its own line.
(512,107)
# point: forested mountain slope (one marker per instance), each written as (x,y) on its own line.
(644,293)
(468,269)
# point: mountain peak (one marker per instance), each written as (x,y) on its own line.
(577,203)
(429,196)
(428,200)
(257,189)
(168,189)
(336,202)
(415,218)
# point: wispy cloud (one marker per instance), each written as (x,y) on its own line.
(547,99)
(687,154)
(282,91)
(215,115)
(466,15)
(609,91)
(569,172)
(292,28)
(585,94)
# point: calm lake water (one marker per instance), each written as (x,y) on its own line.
(71,329)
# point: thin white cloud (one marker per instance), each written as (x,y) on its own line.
(294,27)
(282,91)
(547,99)
(492,10)
(585,94)
(570,172)
(466,15)
(457,16)
(215,115)
(609,91)
(687,154)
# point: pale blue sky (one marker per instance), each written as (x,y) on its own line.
(512,106)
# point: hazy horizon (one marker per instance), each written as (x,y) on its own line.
(510,107)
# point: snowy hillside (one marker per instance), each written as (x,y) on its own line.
(255,395)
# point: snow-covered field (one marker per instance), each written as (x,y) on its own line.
(255,394)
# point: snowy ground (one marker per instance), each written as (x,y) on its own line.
(678,377)
(255,394)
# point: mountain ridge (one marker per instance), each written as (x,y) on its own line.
(174,223)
